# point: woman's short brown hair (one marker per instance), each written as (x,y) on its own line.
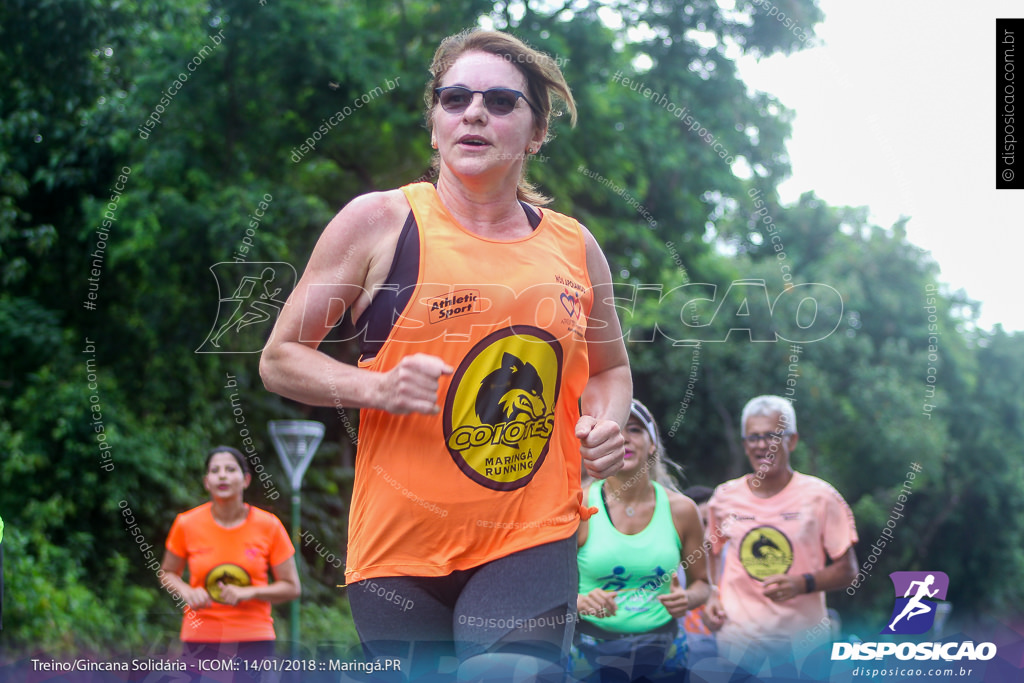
(544,82)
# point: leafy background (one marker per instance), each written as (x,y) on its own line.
(79,77)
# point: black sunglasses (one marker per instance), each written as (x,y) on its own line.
(455,99)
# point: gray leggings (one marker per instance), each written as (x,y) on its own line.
(524,603)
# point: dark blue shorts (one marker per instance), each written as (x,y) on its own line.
(524,603)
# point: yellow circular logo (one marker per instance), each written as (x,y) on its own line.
(230,574)
(500,409)
(765,551)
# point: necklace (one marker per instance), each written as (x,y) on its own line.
(630,510)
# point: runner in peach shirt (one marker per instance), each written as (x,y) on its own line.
(779,525)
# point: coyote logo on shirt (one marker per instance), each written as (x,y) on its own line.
(227,574)
(499,411)
(512,392)
(765,551)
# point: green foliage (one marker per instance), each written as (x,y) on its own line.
(58,608)
(327,629)
(231,90)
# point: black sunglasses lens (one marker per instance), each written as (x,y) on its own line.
(455,100)
(500,102)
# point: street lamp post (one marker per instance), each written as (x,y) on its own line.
(296,442)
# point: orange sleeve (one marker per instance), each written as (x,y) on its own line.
(176,539)
(281,547)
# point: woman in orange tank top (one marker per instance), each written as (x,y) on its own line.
(492,370)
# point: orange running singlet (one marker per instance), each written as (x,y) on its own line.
(498,470)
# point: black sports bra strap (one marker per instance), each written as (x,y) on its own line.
(391,298)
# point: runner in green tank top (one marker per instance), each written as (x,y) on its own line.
(630,595)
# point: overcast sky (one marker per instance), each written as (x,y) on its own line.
(896,112)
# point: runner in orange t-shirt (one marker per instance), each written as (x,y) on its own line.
(230,549)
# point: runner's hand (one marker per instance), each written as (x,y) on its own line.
(714,613)
(677,600)
(412,385)
(602,446)
(782,587)
(196,598)
(231,594)
(597,603)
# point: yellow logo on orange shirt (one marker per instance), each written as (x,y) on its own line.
(500,408)
(227,573)
(765,551)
